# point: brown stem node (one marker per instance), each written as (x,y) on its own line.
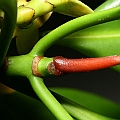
(35,66)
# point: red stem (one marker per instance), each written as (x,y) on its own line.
(85,64)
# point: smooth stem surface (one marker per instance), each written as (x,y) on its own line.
(10,9)
(48,99)
(20,65)
(73,26)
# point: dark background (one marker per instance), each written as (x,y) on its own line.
(103,82)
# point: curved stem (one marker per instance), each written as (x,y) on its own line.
(48,99)
(9,7)
(73,26)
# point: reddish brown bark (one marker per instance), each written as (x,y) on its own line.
(85,64)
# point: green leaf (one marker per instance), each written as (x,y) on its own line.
(17,106)
(91,101)
(96,41)
(73,26)
(108,4)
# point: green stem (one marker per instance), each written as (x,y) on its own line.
(20,65)
(73,26)
(9,7)
(43,66)
(48,99)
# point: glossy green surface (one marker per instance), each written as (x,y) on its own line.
(96,41)
(73,26)
(100,40)
(108,4)
(91,101)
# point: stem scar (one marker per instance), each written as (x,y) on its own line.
(35,66)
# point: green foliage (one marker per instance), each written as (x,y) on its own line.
(97,34)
